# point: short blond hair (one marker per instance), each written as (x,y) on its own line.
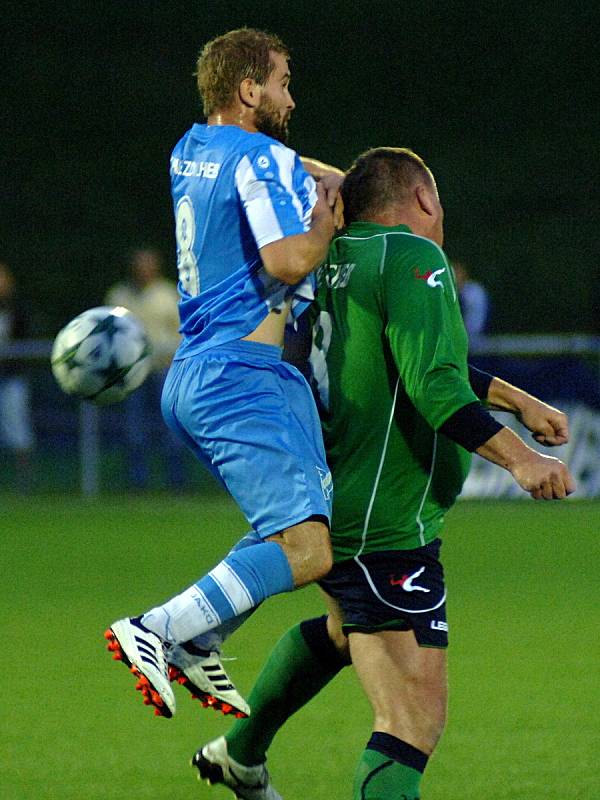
(228,59)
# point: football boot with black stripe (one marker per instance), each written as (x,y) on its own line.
(215,765)
(203,675)
(144,653)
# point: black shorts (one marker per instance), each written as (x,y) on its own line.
(394,590)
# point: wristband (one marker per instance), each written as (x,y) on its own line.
(470,426)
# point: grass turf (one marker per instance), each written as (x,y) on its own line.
(524,707)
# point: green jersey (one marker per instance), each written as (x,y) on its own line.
(389,359)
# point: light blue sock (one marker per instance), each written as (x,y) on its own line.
(213,639)
(239,583)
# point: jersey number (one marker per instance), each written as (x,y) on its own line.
(321,339)
(185,233)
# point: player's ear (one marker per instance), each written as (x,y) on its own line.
(425,199)
(249,92)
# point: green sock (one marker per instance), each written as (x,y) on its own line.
(294,672)
(381,776)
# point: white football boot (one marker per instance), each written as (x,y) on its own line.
(202,674)
(215,765)
(144,653)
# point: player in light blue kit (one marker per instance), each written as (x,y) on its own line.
(251,225)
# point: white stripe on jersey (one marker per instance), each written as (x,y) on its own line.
(404,233)
(257,203)
(379,471)
(285,159)
(419,521)
(364,568)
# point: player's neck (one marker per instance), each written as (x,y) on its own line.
(403,215)
(391,217)
(240,116)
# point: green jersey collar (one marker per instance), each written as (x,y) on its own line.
(360,229)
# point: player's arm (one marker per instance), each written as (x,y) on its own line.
(318,169)
(544,477)
(549,426)
(291,258)
(426,336)
(331,179)
(270,183)
(430,350)
(541,476)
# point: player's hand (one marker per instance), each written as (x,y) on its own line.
(544,477)
(331,182)
(338,213)
(322,208)
(548,425)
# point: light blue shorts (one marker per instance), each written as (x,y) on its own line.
(251,419)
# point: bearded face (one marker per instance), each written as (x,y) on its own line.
(272,121)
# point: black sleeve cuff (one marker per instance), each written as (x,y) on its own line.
(480,382)
(470,426)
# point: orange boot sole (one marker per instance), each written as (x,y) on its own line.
(207,700)
(149,694)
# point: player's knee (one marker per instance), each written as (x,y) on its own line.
(308,549)
(318,553)
(323,560)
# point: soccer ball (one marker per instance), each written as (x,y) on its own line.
(102,355)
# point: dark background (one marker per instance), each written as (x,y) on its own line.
(499,98)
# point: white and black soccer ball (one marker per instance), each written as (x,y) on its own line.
(102,355)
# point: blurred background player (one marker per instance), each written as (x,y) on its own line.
(473,299)
(250,224)
(388,318)
(153,300)
(16,431)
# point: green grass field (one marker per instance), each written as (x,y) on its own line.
(523,609)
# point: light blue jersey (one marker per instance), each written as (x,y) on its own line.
(247,416)
(233,193)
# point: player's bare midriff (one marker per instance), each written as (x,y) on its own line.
(271,329)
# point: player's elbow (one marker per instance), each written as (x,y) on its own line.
(290,271)
(290,260)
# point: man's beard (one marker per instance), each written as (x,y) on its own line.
(268,121)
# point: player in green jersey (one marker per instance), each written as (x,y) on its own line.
(401,413)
